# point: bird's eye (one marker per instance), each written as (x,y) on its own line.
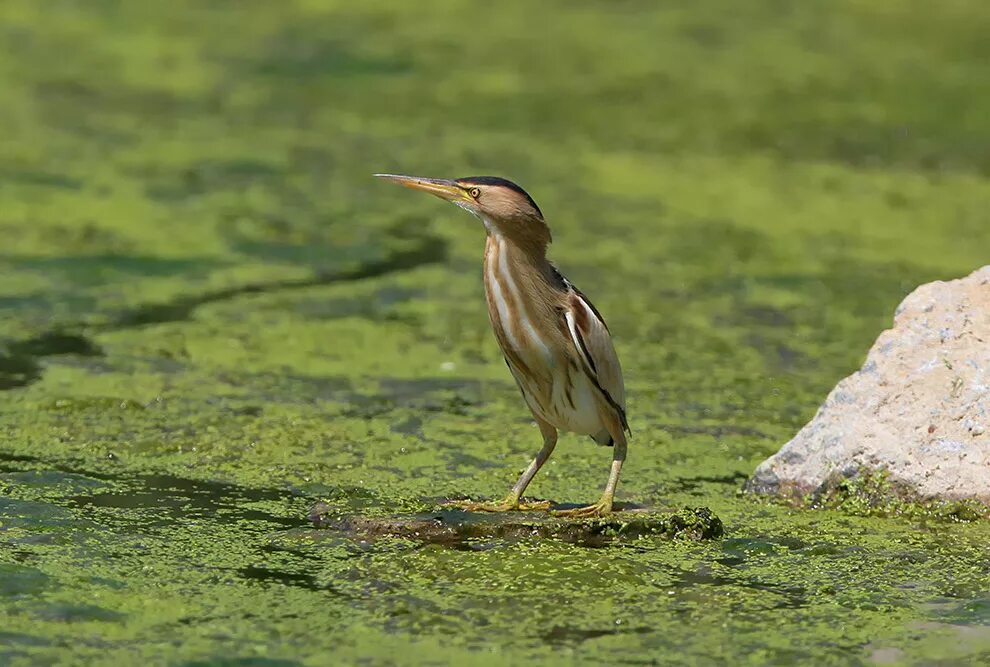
(474,192)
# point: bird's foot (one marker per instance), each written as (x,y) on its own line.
(508,505)
(602,508)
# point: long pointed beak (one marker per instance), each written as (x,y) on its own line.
(448,190)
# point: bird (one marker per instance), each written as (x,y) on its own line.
(555,342)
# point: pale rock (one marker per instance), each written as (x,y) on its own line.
(919,407)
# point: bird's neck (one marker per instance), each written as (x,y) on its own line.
(527,234)
(505,255)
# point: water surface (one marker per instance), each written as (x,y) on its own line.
(212,317)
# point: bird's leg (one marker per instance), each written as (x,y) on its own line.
(513,500)
(515,495)
(604,505)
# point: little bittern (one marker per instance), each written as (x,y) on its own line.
(555,342)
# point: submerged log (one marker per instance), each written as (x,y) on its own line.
(455,527)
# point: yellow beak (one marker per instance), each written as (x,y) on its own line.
(447,190)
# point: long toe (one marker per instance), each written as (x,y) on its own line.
(473,506)
(591,511)
(507,505)
(533,506)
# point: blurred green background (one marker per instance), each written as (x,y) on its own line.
(211,317)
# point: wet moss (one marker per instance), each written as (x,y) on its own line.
(874,493)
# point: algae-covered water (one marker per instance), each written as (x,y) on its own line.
(212,318)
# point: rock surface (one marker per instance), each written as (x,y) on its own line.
(919,407)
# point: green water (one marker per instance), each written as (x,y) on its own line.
(212,317)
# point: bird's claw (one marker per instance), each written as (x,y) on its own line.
(507,505)
(599,509)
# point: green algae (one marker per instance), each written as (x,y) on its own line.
(873,493)
(212,317)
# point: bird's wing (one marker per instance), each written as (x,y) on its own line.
(594,347)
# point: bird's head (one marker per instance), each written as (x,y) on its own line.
(503,206)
